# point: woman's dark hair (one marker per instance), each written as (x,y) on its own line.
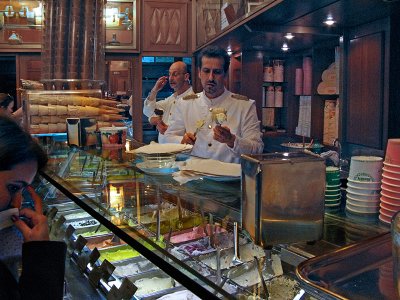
(17,146)
(5,100)
(214,52)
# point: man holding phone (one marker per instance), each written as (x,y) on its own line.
(159,112)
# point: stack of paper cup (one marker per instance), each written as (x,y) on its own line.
(390,194)
(332,189)
(363,185)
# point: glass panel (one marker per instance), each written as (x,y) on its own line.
(121,24)
(214,16)
(21,22)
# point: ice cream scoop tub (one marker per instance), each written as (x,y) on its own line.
(283,197)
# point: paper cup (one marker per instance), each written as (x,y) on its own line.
(113,137)
(390,180)
(366,168)
(390,187)
(393,152)
(364,185)
(363,197)
(362,192)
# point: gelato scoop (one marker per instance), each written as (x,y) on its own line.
(219,115)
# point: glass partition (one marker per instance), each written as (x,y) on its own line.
(215,16)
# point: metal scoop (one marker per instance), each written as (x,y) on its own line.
(264,285)
(236,257)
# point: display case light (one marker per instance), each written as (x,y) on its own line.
(329,20)
(38,13)
(289,36)
(112,16)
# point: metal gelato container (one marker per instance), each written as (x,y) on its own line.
(283,197)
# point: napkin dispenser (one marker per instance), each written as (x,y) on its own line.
(283,197)
(76,130)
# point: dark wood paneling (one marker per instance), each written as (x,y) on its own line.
(252,78)
(166,27)
(365,102)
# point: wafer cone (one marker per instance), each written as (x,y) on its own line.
(43,110)
(52,109)
(34,110)
(62,110)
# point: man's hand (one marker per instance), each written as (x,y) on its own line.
(162,127)
(160,83)
(188,138)
(223,135)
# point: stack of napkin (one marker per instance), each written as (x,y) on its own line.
(194,169)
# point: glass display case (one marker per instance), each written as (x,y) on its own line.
(121,25)
(213,17)
(129,228)
(46,111)
(21,23)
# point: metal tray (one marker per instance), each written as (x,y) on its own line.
(158,294)
(93,240)
(138,265)
(359,271)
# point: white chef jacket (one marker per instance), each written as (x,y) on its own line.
(241,119)
(167,105)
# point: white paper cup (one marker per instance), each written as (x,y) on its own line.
(362,197)
(366,168)
(364,185)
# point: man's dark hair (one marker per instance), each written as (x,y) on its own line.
(214,52)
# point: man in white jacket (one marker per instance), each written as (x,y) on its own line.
(216,136)
(159,112)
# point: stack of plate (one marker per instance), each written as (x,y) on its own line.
(363,185)
(390,194)
(332,189)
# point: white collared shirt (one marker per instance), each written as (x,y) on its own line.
(167,105)
(241,119)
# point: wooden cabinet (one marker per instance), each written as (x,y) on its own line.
(20,25)
(365,91)
(166,27)
(28,66)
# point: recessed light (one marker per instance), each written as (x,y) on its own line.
(289,36)
(285,47)
(329,21)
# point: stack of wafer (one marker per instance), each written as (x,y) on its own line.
(47,113)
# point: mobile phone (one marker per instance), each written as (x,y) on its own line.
(27,201)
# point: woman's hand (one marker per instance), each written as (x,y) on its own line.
(32,223)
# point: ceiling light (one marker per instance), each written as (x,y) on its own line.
(329,21)
(289,36)
(285,47)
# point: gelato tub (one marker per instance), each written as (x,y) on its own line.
(247,253)
(123,252)
(134,266)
